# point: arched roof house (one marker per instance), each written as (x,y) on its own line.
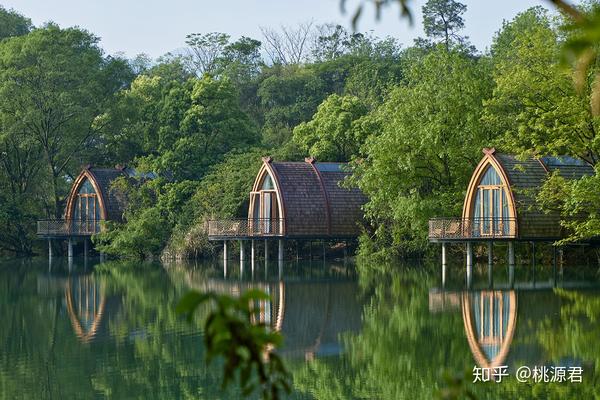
(90,201)
(500,200)
(297,200)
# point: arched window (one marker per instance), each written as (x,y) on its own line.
(265,206)
(491,208)
(86,209)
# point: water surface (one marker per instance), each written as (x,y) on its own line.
(109,331)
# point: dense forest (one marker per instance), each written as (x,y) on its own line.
(411,120)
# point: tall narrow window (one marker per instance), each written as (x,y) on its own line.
(490,209)
(265,208)
(86,212)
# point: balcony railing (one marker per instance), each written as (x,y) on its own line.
(245,228)
(472,228)
(67,227)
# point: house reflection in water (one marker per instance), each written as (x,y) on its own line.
(85,301)
(311,315)
(489,318)
(85,305)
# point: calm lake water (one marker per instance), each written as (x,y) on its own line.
(351,331)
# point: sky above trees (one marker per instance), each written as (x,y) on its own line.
(160,26)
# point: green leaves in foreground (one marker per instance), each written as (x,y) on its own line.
(233,331)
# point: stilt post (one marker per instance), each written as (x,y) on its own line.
(280,250)
(70,248)
(85,247)
(469,263)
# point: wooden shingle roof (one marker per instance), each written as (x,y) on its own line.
(113,202)
(526,177)
(314,202)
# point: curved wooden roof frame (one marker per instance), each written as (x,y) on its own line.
(265,169)
(471,333)
(489,160)
(89,175)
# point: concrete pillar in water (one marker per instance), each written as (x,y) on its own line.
(469,263)
(85,247)
(242,254)
(252,250)
(266,251)
(554,261)
(280,250)
(511,254)
(511,275)
(490,263)
(225,250)
(443,264)
(70,248)
(49,249)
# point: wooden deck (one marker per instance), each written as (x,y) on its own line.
(64,228)
(472,229)
(245,229)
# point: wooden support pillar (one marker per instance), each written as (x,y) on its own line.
(469,263)
(242,254)
(280,250)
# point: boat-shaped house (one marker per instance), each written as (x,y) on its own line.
(90,201)
(500,203)
(296,200)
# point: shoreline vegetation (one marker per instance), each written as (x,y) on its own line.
(410,120)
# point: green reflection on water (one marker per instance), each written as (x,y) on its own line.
(371,331)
